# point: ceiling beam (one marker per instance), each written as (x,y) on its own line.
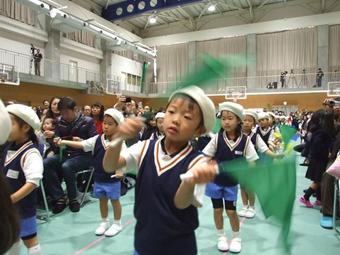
(251,11)
(185,13)
(263,3)
(332,5)
(229,5)
(323,6)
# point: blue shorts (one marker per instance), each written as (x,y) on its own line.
(110,190)
(28,226)
(221,192)
(135,253)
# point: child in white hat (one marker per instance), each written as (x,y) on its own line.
(23,168)
(165,206)
(106,186)
(227,145)
(264,129)
(159,132)
(249,122)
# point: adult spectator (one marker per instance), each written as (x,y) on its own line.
(72,126)
(37,59)
(319,76)
(53,111)
(46,104)
(87,110)
(97,114)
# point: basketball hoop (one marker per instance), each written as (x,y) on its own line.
(236,93)
(333,89)
(8,75)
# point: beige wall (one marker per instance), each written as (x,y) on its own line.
(310,101)
(34,95)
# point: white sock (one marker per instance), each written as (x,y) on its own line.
(105,220)
(220,232)
(118,222)
(236,234)
(15,249)
(252,207)
(35,250)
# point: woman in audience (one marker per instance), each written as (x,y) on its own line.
(323,130)
(97,114)
(53,111)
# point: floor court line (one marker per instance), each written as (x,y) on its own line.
(98,240)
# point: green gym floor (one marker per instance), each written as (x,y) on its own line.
(70,233)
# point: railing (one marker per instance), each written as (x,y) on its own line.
(67,72)
(220,86)
(23,63)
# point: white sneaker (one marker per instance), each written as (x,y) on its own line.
(103,226)
(222,243)
(113,230)
(243,212)
(250,213)
(235,245)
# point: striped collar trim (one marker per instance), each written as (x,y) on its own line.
(164,162)
(263,132)
(234,145)
(21,149)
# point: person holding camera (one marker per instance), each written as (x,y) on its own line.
(37,59)
(319,76)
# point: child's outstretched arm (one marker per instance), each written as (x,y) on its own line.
(73,144)
(201,173)
(128,129)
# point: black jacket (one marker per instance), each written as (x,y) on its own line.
(82,127)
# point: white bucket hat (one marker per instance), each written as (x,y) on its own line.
(206,105)
(25,113)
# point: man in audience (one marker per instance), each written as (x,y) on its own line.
(87,110)
(71,126)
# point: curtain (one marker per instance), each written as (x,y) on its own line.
(291,51)
(17,11)
(172,65)
(83,37)
(223,48)
(334,53)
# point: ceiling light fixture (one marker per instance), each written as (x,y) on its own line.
(212,8)
(153,19)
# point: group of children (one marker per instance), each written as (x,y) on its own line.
(159,162)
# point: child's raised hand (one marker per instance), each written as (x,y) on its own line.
(130,128)
(203,173)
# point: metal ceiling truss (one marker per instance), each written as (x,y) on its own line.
(136,7)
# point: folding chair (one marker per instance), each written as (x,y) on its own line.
(46,215)
(336,223)
(88,183)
